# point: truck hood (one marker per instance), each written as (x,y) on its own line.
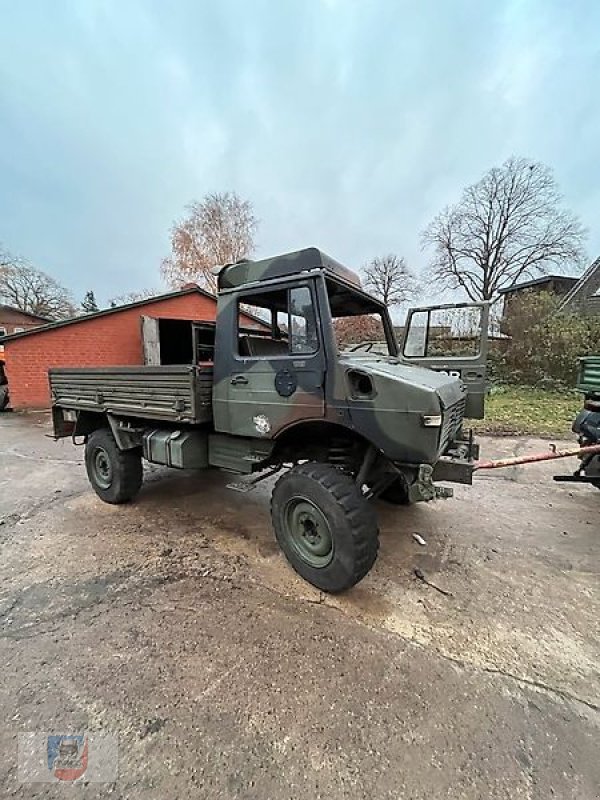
(449,389)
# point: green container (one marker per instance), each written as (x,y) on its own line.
(588,380)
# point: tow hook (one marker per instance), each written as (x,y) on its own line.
(423,488)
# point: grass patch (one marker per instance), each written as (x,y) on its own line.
(522,410)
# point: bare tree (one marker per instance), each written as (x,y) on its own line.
(32,290)
(134,297)
(218,230)
(389,278)
(506,227)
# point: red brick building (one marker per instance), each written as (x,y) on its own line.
(110,337)
(13,320)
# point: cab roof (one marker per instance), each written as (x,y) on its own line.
(234,275)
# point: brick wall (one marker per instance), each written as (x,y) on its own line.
(111,340)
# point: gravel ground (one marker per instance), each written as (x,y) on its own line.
(175,624)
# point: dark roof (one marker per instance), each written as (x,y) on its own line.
(517,287)
(25,313)
(106,311)
(232,276)
(585,287)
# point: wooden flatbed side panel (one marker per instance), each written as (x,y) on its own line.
(177,393)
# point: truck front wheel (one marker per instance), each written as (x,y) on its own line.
(325,527)
(115,475)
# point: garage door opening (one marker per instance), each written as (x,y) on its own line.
(177,341)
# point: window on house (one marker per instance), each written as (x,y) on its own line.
(18,330)
(2,331)
(290,313)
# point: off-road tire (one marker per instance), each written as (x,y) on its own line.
(595,465)
(4,398)
(350,520)
(396,494)
(122,478)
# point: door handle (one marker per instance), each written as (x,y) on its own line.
(239,379)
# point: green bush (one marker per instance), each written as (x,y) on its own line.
(545,343)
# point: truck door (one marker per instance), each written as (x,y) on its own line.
(452,339)
(275,375)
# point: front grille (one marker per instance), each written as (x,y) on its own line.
(451,423)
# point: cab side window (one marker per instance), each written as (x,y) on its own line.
(289,324)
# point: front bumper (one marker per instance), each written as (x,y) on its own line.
(457,464)
(455,470)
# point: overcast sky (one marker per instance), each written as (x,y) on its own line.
(347,124)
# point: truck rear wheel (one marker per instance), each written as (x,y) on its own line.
(325,527)
(115,475)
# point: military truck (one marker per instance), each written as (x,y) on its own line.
(344,425)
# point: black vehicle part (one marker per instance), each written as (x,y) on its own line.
(397,493)
(591,468)
(587,425)
(115,475)
(325,527)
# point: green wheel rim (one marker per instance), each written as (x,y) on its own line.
(307,530)
(101,465)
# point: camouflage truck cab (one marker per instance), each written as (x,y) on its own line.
(344,425)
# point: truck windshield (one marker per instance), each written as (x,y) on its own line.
(360,323)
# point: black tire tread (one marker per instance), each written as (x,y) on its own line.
(127,463)
(593,473)
(362,517)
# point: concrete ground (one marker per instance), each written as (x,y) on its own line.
(175,623)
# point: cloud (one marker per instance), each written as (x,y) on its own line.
(348,124)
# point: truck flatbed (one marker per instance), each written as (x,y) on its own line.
(180,393)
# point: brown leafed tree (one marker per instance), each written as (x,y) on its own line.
(507,227)
(32,290)
(389,278)
(218,230)
(358,329)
